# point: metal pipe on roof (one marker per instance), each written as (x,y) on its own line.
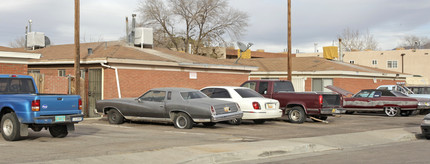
(116,76)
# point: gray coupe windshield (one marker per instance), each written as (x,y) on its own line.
(247,93)
(192,95)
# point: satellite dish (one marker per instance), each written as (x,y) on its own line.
(242,46)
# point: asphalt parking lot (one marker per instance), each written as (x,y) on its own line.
(96,137)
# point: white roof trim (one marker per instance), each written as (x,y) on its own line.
(344,73)
(23,55)
(65,62)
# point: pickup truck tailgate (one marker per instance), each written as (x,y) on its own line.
(59,104)
(331,100)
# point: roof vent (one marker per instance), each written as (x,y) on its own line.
(90,51)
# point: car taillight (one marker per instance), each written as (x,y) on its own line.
(35,105)
(80,104)
(213,110)
(256,105)
(321,99)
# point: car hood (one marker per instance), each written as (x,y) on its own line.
(339,90)
(421,99)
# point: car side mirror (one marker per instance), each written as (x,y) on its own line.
(139,100)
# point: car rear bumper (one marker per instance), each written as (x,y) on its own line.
(267,114)
(226,116)
(331,111)
(59,119)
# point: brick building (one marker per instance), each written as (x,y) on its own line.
(13,61)
(112,70)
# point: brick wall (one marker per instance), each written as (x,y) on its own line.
(135,82)
(350,84)
(355,85)
(7,68)
(55,84)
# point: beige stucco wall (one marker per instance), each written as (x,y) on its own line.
(416,62)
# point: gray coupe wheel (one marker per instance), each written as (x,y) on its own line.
(236,121)
(183,121)
(10,127)
(297,115)
(392,111)
(115,117)
(58,131)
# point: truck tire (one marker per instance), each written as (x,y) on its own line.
(58,131)
(10,127)
(115,117)
(297,115)
(183,121)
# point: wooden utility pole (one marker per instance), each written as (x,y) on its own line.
(77,67)
(289,41)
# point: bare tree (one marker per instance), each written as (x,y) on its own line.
(414,42)
(178,23)
(18,42)
(354,40)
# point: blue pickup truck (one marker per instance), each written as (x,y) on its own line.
(22,107)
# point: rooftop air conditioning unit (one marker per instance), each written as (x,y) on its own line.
(143,37)
(35,40)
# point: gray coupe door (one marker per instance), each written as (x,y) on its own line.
(94,90)
(152,104)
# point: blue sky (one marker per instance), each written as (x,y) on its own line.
(313,21)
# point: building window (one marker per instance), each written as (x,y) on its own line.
(62,72)
(34,71)
(392,64)
(352,61)
(82,73)
(319,84)
(374,62)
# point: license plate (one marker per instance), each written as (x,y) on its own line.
(270,106)
(77,119)
(60,118)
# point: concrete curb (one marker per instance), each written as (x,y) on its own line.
(234,152)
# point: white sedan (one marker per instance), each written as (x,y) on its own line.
(253,105)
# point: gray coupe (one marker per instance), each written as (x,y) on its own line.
(182,106)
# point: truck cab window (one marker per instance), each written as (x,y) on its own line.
(262,89)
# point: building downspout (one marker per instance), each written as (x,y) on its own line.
(116,76)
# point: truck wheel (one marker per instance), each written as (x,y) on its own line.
(259,121)
(183,121)
(392,111)
(58,131)
(115,117)
(297,115)
(236,121)
(10,127)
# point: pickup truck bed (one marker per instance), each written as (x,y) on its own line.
(298,105)
(22,107)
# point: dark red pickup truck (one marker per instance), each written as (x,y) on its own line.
(298,105)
